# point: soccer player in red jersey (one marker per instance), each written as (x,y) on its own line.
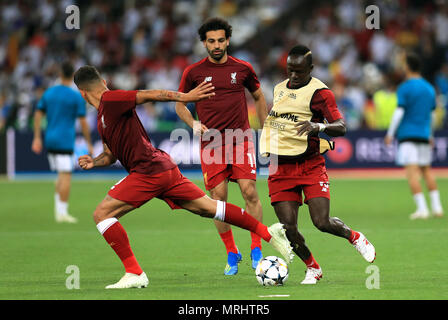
(304,107)
(152,173)
(230,154)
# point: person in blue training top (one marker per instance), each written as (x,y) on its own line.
(62,105)
(412,126)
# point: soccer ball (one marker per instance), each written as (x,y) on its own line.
(272,271)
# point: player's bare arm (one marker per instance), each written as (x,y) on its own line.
(186,116)
(201,92)
(36,145)
(86,133)
(334,129)
(106,158)
(260,105)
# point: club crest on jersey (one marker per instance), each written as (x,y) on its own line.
(324,185)
(208,79)
(233,78)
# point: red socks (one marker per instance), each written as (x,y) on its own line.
(311,262)
(229,243)
(353,237)
(239,217)
(256,241)
(115,235)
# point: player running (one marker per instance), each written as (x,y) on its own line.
(61,105)
(303,107)
(411,123)
(232,156)
(152,173)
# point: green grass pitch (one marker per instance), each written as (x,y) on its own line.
(184,257)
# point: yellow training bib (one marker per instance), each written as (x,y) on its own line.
(279,135)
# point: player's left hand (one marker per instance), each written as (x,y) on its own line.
(36,145)
(85,162)
(307,128)
(387,140)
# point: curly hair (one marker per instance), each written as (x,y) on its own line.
(213,24)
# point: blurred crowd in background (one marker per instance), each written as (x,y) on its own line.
(147,44)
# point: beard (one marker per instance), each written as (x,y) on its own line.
(217,55)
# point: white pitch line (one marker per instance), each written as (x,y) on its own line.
(275,296)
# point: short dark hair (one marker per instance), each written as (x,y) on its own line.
(413,61)
(301,50)
(213,24)
(85,76)
(67,70)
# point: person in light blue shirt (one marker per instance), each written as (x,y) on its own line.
(412,126)
(62,105)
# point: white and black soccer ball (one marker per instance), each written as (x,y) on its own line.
(272,271)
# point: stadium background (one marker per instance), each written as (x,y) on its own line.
(147,44)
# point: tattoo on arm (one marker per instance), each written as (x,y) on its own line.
(104,159)
(100,161)
(168,95)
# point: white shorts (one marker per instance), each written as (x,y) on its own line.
(416,153)
(61,162)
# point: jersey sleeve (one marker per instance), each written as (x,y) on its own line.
(41,104)
(80,105)
(251,82)
(434,101)
(401,97)
(324,102)
(186,84)
(119,101)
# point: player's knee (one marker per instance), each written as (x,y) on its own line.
(99,214)
(97,218)
(322,224)
(250,195)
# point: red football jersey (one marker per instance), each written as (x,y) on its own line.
(323,106)
(228,108)
(121,130)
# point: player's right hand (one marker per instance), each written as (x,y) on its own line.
(85,162)
(198,128)
(36,145)
(203,91)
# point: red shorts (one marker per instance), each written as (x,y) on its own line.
(289,180)
(229,162)
(170,186)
